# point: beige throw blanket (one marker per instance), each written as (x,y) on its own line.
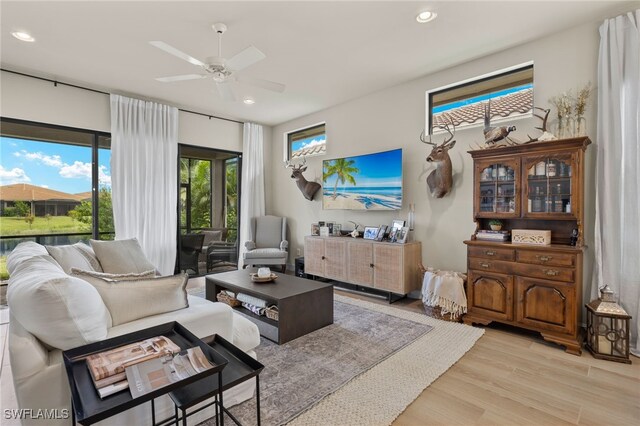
(446,290)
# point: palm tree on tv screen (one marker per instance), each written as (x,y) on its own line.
(343,169)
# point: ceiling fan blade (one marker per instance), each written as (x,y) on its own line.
(175,52)
(265,84)
(181,77)
(226,91)
(247,57)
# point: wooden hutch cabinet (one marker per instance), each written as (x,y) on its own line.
(539,287)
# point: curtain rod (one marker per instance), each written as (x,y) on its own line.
(56,82)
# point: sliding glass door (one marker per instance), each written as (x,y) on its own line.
(208,210)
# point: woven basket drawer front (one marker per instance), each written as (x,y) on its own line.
(546,258)
(480,264)
(554,273)
(493,253)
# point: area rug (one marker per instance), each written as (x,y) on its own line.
(364,369)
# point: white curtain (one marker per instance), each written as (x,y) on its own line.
(144,163)
(252,198)
(617,239)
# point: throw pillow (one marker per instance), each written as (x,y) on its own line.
(129,300)
(78,255)
(211,237)
(113,277)
(62,311)
(121,256)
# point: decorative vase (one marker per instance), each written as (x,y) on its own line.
(496,227)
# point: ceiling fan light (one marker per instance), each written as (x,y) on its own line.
(22,36)
(426,16)
(249,101)
(218,76)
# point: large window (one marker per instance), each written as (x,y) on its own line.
(55,185)
(510,93)
(306,142)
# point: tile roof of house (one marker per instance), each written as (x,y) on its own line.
(512,104)
(84,196)
(312,150)
(26,192)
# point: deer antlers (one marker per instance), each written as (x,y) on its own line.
(544,123)
(294,167)
(445,127)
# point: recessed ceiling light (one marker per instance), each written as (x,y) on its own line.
(249,101)
(426,16)
(22,36)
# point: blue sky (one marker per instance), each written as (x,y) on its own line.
(377,170)
(65,168)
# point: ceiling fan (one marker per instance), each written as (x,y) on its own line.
(222,71)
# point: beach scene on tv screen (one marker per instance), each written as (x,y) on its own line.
(364,182)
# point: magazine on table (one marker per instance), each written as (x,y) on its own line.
(156,373)
(107,368)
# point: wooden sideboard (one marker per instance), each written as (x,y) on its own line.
(384,266)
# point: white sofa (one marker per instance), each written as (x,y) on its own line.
(38,373)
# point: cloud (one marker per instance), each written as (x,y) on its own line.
(77,170)
(314,142)
(15,175)
(44,186)
(47,160)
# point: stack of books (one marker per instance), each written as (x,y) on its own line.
(493,235)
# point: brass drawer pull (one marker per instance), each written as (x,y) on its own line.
(551,272)
(490,253)
(485,265)
(544,258)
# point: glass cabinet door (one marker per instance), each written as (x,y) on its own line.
(548,186)
(497,189)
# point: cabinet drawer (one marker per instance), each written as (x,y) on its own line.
(481,264)
(546,258)
(547,272)
(492,253)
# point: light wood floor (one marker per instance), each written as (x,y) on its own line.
(513,377)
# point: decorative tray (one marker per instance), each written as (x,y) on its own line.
(256,279)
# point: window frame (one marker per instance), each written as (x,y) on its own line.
(473,80)
(287,139)
(95,147)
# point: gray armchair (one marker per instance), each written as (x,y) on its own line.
(268,244)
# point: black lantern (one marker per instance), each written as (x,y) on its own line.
(608,328)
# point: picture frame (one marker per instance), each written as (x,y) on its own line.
(397,224)
(330,226)
(402,235)
(392,235)
(381,231)
(336,229)
(324,231)
(370,232)
(321,223)
(315,229)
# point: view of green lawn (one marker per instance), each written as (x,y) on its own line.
(3,268)
(41,225)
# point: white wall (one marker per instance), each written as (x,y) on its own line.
(394,118)
(30,99)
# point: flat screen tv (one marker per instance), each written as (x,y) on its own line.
(363,182)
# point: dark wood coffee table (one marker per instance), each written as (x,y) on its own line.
(303,305)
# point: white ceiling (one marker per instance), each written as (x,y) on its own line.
(325,52)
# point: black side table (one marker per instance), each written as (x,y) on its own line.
(86,405)
(240,368)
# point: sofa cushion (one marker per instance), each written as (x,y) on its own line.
(112,277)
(129,300)
(78,255)
(203,318)
(121,256)
(62,311)
(245,333)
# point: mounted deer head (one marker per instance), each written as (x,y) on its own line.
(440,180)
(307,188)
